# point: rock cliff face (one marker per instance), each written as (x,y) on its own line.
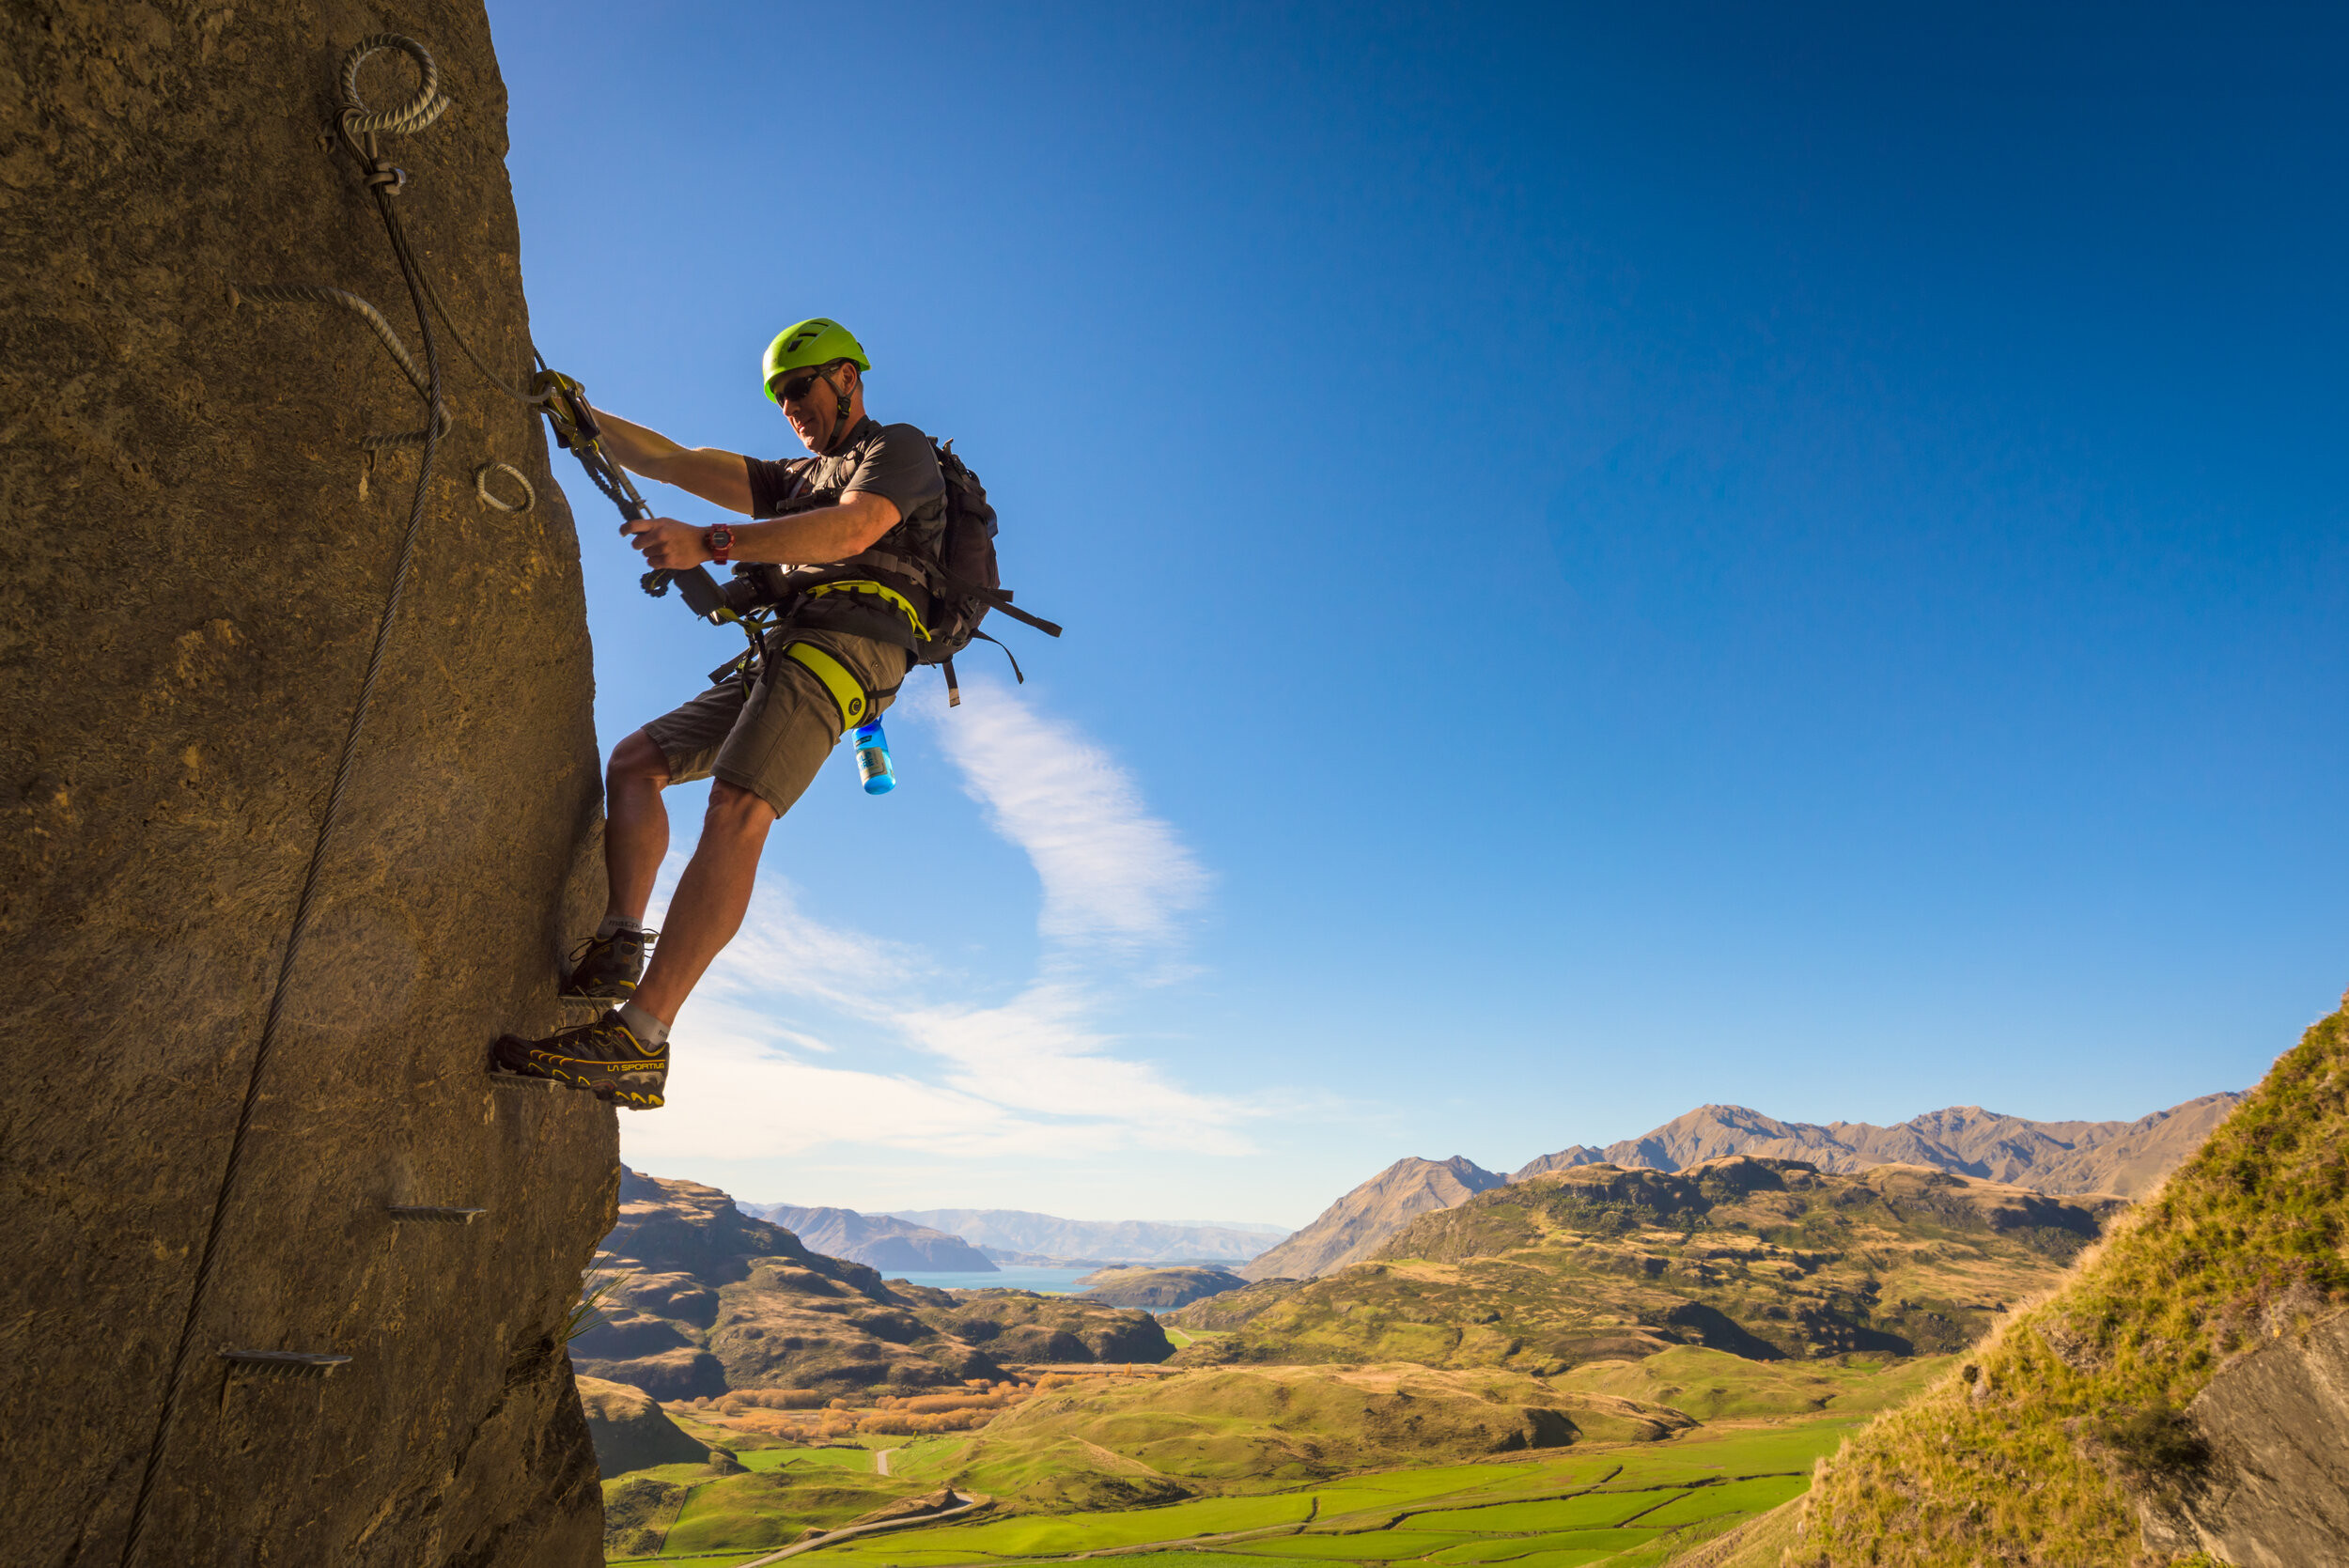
(2274,1492)
(191,588)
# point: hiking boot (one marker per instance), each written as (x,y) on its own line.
(606,968)
(603,1056)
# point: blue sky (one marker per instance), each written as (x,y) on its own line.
(1614,559)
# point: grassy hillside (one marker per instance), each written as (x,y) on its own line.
(1630,1506)
(1122,1443)
(2030,1453)
(1607,1506)
(1764,1259)
(1712,1385)
(1156,1289)
(1228,1311)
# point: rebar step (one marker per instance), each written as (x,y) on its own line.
(520,1080)
(418,1213)
(285,1363)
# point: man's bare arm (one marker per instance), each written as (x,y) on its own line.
(721,477)
(812,539)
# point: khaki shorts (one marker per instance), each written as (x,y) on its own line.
(772,741)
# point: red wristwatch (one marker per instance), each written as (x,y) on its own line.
(718,542)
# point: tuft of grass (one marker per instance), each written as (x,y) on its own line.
(2031,1449)
(593,1306)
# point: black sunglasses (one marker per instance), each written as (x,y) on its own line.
(795,388)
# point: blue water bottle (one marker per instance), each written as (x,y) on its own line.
(872,759)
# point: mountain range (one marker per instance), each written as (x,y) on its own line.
(879,1241)
(1014,1236)
(2126,1159)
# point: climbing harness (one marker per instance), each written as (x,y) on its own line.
(838,681)
(359,128)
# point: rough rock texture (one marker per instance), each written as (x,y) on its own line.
(2128,1158)
(1358,1224)
(2276,1491)
(631,1432)
(191,584)
(1156,1289)
(876,1240)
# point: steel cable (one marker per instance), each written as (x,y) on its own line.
(415,115)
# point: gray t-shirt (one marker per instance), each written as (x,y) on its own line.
(895,463)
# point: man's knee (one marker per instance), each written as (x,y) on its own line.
(637,760)
(739,811)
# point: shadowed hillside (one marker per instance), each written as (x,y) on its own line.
(1761,1258)
(710,1299)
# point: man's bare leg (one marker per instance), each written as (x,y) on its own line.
(635,825)
(711,898)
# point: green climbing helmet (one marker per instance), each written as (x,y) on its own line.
(813,342)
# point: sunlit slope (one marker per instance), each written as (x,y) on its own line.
(1758,1257)
(1712,1385)
(1624,1506)
(1259,1428)
(2036,1450)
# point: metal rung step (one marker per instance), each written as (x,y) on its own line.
(421,1214)
(517,1080)
(588,1004)
(285,1363)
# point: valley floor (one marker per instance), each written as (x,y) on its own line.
(1624,1506)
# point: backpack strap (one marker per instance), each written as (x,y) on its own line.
(953,686)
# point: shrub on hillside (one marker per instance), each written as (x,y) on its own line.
(906,1424)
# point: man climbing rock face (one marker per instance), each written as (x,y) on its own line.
(848,575)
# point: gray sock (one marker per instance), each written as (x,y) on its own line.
(649,1031)
(614,925)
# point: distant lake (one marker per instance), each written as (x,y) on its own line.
(1046,1281)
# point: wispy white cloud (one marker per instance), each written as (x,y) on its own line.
(1039,1075)
(1112,873)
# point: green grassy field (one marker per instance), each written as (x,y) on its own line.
(1623,1506)
(1627,1504)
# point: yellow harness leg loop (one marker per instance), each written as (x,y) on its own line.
(847,692)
